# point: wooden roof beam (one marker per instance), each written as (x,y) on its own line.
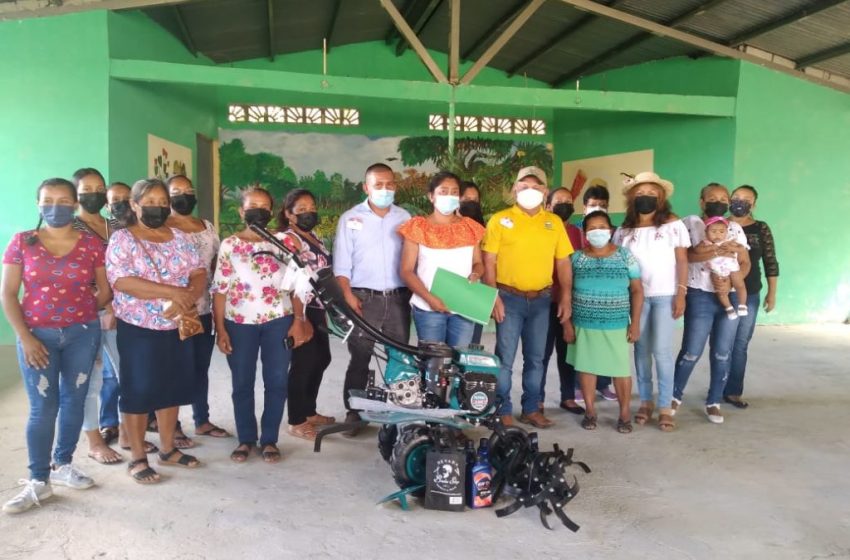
(415,43)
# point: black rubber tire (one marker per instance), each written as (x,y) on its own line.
(410,438)
(387,436)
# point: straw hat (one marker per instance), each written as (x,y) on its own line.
(648,177)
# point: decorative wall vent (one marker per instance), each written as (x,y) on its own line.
(279,114)
(496,125)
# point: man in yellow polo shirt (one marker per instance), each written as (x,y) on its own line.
(521,247)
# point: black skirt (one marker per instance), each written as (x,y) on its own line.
(157,369)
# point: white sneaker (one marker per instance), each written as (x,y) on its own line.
(714,414)
(34,491)
(70,476)
(743,311)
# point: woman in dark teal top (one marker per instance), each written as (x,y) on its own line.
(607,301)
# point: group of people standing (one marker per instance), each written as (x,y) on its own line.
(123,313)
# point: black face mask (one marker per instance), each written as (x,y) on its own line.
(258,216)
(472,210)
(740,208)
(155,216)
(306,220)
(92,202)
(713,209)
(120,210)
(183,204)
(645,204)
(563,210)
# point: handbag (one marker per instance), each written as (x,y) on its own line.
(188,323)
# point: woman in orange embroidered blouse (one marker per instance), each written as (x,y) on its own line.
(442,240)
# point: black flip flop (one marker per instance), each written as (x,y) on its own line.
(736,402)
(574,409)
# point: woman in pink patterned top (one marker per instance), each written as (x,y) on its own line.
(157,276)
(254,315)
(58,335)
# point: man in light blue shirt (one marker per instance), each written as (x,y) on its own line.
(367,255)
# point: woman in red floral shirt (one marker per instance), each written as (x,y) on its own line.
(58,335)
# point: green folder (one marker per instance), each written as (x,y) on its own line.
(470,300)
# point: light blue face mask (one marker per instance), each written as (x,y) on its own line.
(382,198)
(599,237)
(446,203)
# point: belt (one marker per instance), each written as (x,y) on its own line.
(530,294)
(393,292)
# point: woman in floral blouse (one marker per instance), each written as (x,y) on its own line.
(254,316)
(157,277)
(203,235)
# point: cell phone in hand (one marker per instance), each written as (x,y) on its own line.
(288,342)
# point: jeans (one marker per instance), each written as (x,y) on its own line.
(388,313)
(249,341)
(109,391)
(59,391)
(452,329)
(309,362)
(566,372)
(203,347)
(656,342)
(705,320)
(743,335)
(525,319)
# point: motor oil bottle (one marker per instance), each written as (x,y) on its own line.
(482,476)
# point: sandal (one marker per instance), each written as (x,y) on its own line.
(572,408)
(589,423)
(103,459)
(241,453)
(149,448)
(321,420)
(144,476)
(644,413)
(737,402)
(270,453)
(624,426)
(666,422)
(109,434)
(152,426)
(182,441)
(305,430)
(213,431)
(184,461)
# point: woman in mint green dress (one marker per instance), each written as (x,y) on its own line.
(607,301)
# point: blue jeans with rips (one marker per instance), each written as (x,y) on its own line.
(743,335)
(705,321)
(58,392)
(527,320)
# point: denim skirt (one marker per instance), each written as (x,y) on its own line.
(157,369)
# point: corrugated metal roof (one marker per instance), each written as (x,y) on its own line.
(231,30)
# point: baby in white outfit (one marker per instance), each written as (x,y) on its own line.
(725,270)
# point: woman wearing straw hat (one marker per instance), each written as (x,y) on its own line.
(659,240)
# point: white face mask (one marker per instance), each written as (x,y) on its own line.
(529,198)
(589,209)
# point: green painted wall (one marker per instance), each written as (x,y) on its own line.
(53,91)
(792,144)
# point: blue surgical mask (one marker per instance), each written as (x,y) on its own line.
(599,237)
(446,203)
(382,198)
(57,215)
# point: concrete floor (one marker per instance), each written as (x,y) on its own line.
(769,483)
